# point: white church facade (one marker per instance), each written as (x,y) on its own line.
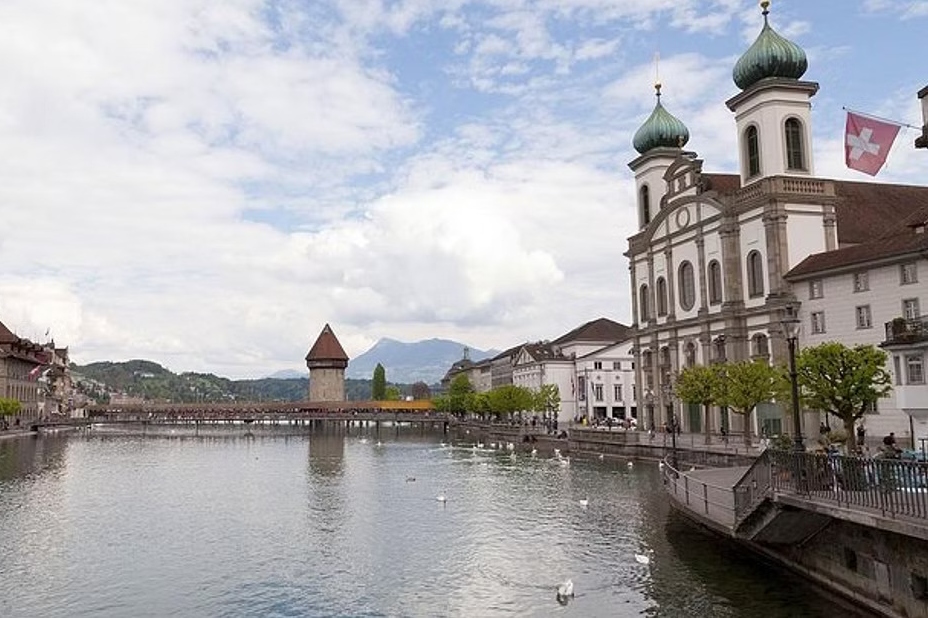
(708,265)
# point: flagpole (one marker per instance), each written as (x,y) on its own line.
(875,117)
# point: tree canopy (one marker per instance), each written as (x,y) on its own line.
(701,384)
(9,407)
(843,381)
(379,383)
(458,393)
(746,384)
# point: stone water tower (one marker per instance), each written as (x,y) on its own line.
(326,361)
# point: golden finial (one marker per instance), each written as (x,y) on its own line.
(765,5)
(657,73)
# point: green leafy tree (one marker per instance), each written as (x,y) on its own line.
(9,407)
(843,381)
(458,393)
(699,385)
(478,403)
(508,399)
(379,383)
(442,403)
(393,393)
(547,400)
(746,384)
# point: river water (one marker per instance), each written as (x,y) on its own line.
(271,523)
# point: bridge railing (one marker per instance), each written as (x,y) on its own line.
(892,486)
(711,502)
(753,487)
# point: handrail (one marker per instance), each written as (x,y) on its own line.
(753,486)
(693,494)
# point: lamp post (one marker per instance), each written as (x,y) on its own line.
(791,326)
(668,396)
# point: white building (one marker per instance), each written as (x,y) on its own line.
(605,381)
(708,264)
(869,294)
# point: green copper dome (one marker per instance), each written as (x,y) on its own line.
(661,129)
(769,56)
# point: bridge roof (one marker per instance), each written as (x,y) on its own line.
(327,347)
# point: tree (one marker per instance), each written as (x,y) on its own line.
(9,407)
(379,384)
(458,393)
(547,400)
(699,384)
(393,393)
(509,399)
(843,381)
(421,390)
(746,384)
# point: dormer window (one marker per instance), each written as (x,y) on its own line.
(752,151)
(795,159)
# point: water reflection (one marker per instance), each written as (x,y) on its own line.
(21,457)
(274,522)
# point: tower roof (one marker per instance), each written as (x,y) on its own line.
(661,129)
(770,55)
(327,347)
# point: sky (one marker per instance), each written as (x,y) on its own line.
(206,184)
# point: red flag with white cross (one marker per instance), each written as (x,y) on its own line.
(867,142)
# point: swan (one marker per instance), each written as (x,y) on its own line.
(630,464)
(660,465)
(565,591)
(534,452)
(601,456)
(642,559)
(584,502)
(379,443)
(363,440)
(557,453)
(565,461)
(441,498)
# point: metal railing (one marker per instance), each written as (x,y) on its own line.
(894,487)
(712,502)
(752,488)
(901,330)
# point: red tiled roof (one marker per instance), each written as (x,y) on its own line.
(327,347)
(6,335)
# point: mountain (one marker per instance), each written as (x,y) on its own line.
(287,374)
(426,361)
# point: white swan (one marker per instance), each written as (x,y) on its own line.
(534,452)
(565,461)
(441,498)
(601,456)
(565,591)
(630,464)
(557,453)
(584,502)
(642,559)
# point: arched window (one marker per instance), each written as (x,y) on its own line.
(661,296)
(689,353)
(715,282)
(755,274)
(752,151)
(687,286)
(643,309)
(760,345)
(794,151)
(720,354)
(665,357)
(644,203)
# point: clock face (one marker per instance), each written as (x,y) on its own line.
(683,217)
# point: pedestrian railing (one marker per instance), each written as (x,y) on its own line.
(712,502)
(753,487)
(894,487)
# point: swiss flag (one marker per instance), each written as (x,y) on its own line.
(867,143)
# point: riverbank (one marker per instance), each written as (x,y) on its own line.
(16,433)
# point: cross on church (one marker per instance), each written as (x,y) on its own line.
(861,143)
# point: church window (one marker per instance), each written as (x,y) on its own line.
(752,151)
(644,199)
(689,353)
(715,282)
(760,345)
(794,149)
(687,286)
(661,296)
(755,274)
(643,309)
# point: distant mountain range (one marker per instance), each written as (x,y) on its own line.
(406,363)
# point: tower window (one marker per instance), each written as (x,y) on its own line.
(644,199)
(794,149)
(661,296)
(715,283)
(643,309)
(755,274)
(752,151)
(687,286)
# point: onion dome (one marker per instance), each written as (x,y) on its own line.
(661,130)
(769,56)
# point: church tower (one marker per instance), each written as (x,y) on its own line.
(772,111)
(659,141)
(326,361)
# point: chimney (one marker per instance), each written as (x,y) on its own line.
(922,141)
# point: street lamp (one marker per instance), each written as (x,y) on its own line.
(791,327)
(668,396)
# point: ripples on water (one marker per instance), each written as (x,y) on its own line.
(230,524)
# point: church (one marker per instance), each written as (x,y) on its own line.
(710,264)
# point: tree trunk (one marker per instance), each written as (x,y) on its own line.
(708,429)
(851,443)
